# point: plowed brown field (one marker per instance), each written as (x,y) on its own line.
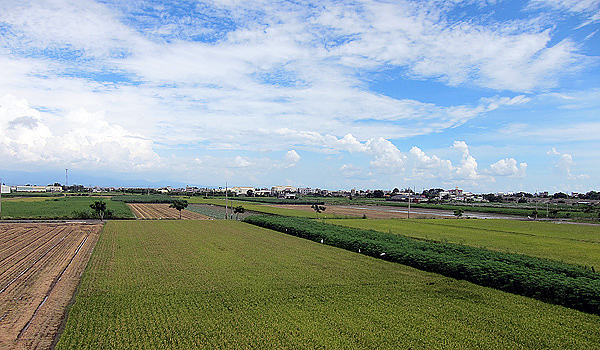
(162,211)
(40,267)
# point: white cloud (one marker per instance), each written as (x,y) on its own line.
(282,77)
(508,167)
(388,158)
(430,166)
(292,158)
(80,139)
(564,166)
(507,55)
(467,171)
(553,152)
(351,170)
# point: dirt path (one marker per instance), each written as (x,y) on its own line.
(162,211)
(40,268)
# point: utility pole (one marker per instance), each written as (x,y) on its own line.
(67,179)
(225,200)
(408,217)
(0,198)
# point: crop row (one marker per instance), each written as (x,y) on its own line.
(542,279)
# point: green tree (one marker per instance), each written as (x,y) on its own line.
(534,214)
(318,209)
(179,204)
(100,208)
(238,210)
(378,194)
(458,213)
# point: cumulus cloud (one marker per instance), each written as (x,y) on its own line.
(564,164)
(79,139)
(291,158)
(432,166)
(508,167)
(388,158)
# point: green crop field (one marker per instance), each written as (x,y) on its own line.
(60,208)
(229,285)
(570,243)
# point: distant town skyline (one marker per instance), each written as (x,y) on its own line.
(490,96)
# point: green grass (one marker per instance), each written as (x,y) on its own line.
(570,243)
(229,285)
(59,208)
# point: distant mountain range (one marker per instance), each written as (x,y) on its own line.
(42,178)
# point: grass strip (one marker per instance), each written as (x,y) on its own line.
(542,279)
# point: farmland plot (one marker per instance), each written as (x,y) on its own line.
(40,267)
(573,244)
(228,285)
(162,211)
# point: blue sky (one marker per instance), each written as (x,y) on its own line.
(485,95)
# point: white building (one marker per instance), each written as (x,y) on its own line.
(4,189)
(277,190)
(54,189)
(241,190)
(31,188)
(306,190)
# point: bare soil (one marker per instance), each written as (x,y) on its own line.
(162,211)
(40,268)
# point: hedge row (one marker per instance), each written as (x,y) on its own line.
(546,280)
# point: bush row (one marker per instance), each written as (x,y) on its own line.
(546,280)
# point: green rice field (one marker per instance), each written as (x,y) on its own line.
(229,285)
(570,243)
(59,208)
